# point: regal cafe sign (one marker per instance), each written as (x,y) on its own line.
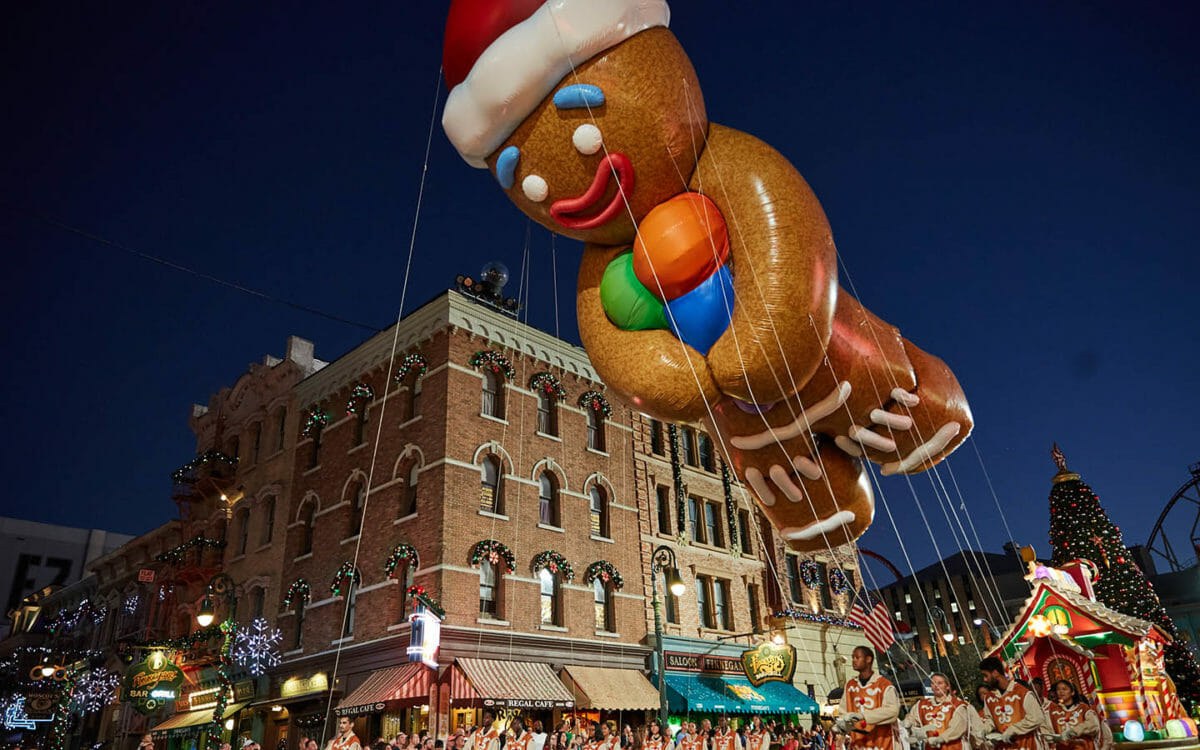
(769,662)
(151,683)
(296,686)
(526,704)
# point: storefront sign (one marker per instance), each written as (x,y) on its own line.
(151,683)
(146,575)
(292,687)
(682,662)
(366,708)
(40,704)
(769,662)
(526,703)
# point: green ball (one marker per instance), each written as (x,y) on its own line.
(628,304)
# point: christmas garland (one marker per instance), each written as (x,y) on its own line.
(299,589)
(418,593)
(412,363)
(730,507)
(315,419)
(595,401)
(810,574)
(175,554)
(347,570)
(211,456)
(606,572)
(494,552)
(495,361)
(547,383)
(69,618)
(360,395)
(62,711)
(399,553)
(799,614)
(555,563)
(229,630)
(838,584)
(180,643)
(677,480)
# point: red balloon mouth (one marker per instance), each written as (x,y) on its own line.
(572,213)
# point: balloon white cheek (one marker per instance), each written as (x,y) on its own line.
(587,139)
(535,188)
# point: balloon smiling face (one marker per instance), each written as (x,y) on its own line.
(614,139)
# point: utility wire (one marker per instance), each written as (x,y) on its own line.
(207,277)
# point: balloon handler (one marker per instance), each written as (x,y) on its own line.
(708,287)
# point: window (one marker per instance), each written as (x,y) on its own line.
(603,607)
(707,457)
(547,414)
(907,598)
(743,518)
(752,600)
(281,420)
(595,430)
(407,579)
(656,437)
(268,520)
(307,516)
(243,530)
(360,423)
(408,493)
(599,508)
(663,499)
(712,525)
(491,491)
(823,577)
(298,638)
(256,602)
(493,394)
(357,503)
(706,615)
(351,603)
(256,432)
(235,447)
(898,616)
(314,459)
(793,571)
(971,604)
(551,614)
(547,499)
(954,607)
(722,611)
(672,606)
(489,590)
(687,446)
(414,399)
(697,529)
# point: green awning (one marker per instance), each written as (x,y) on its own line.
(734,695)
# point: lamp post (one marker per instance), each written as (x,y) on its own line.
(220,585)
(663,559)
(937,613)
(993,631)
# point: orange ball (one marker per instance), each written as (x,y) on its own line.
(679,244)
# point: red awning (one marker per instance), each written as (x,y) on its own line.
(507,684)
(406,685)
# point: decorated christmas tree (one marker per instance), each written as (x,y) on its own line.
(1080,529)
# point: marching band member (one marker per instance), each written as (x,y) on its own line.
(486,737)
(522,739)
(976,716)
(725,738)
(758,737)
(606,736)
(941,721)
(655,739)
(695,739)
(1013,715)
(345,738)
(870,706)
(1072,719)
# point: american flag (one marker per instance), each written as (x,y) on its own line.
(872,616)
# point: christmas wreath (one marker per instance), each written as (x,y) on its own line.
(595,401)
(495,361)
(315,418)
(606,572)
(359,395)
(493,552)
(547,383)
(555,563)
(400,553)
(412,363)
(299,591)
(339,579)
(838,583)
(810,574)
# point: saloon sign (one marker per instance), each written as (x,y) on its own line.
(769,662)
(151,683)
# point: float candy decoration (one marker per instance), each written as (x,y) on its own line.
(708,288)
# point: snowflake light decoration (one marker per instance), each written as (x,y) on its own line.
(257,647)
(94,690)
(15,716)
(131,604)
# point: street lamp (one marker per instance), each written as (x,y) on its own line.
(205,616)
(992,629)
(663,559)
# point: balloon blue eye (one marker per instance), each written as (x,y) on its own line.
(579,95)
(506,166)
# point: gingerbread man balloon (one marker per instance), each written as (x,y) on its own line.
(708,287)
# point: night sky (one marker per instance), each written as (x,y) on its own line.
(1014,185)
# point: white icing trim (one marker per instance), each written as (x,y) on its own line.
(755,478)
(807,467)
(871,439)
(517,70)
(847,445)
(816,528)
(901,396)
(924,452)
(888,419)
(802,424)
(785,483)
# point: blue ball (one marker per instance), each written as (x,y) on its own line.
(699,317)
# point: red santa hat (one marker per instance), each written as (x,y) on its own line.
(502,57)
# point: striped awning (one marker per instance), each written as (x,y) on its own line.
(185,722)
(610,689)
(405,685)
(507,684)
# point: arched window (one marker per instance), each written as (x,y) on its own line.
(257,599)
(406,582)
(602,604)
(314,458)
(408,493)
(235,448)
(358,501)
(360,425)
(268,528)
(547,413)
(491,491)
(351,602)
(493,394)
(243,521)
(414,398)
(599,511)
(281,421)
(551,598)
(256,444)
(595,429)
(298,639)
(548,504)
(307,516)
(489,589)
